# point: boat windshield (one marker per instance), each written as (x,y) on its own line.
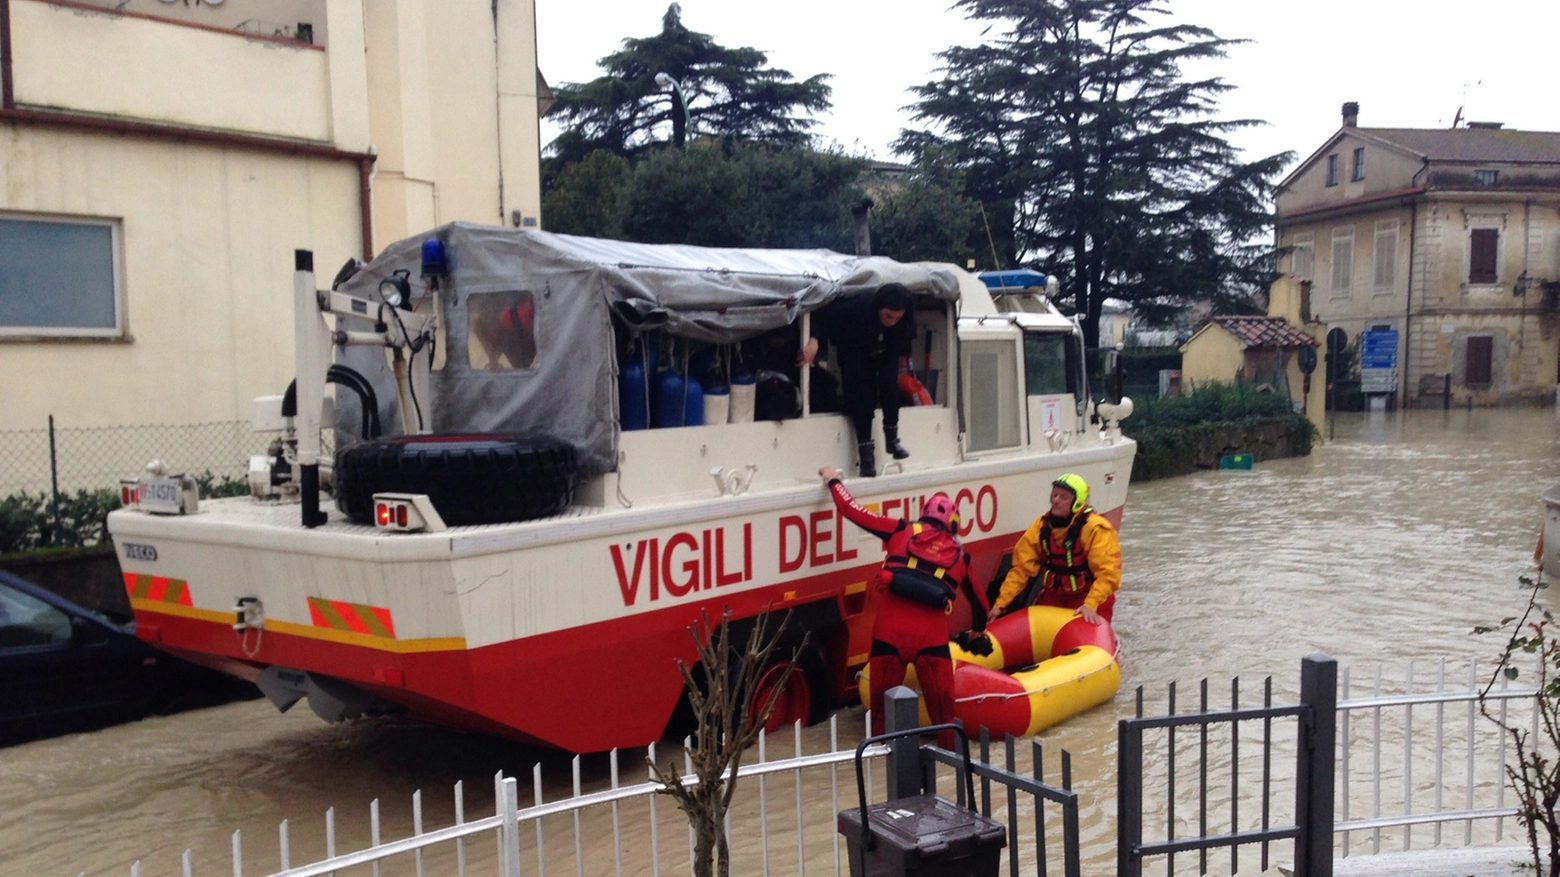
(1045,363)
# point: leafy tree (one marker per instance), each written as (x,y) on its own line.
(730,94)
(1098,160)
(924,216)
(749,196)
(590,196)
(743,196)
(750,178)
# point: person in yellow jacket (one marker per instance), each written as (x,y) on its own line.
(1069,557)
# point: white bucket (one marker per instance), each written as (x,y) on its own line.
(717,407)
(742,396)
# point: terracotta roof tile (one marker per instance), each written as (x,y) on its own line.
(1265,332)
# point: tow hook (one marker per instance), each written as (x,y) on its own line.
(248,613)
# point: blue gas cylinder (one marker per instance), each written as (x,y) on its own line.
(670,392)
(632,398)
(693,407)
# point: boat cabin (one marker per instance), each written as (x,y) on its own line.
(649,359)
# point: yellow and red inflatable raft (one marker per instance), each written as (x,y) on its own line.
(1046,665)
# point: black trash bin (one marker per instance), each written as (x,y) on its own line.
(923,835)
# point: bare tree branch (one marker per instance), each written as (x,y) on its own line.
(726,723)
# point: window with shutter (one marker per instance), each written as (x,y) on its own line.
(1343,264)
(1480,350)
(1303,258)
(1386,256)
(1483,254)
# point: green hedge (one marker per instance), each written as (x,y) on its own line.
(1180,434)
(32,522)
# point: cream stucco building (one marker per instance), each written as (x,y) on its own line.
(160,160)
(1450,237)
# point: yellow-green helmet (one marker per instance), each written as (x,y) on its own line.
(1079,488)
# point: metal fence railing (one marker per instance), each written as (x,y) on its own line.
(1404,764)
(1188,786)
(784,812)
(69,459)
(1345,768)
(1419,766)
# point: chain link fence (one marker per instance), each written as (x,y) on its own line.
(69,459)
(57,485)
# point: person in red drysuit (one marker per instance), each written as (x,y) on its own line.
(923,572)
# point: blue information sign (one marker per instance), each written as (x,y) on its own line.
(1378,349)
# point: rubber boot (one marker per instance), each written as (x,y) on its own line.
(891,442)
(868,454)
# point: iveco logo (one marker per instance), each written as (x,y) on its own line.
(135,551)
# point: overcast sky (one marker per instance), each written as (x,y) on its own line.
(1408,63)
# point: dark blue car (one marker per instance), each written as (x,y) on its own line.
(66,668)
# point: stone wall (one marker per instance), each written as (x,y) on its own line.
(1167,452)
(88,576)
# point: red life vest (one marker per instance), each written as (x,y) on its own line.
(1065,568)
(921,573)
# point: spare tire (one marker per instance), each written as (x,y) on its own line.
(471,479)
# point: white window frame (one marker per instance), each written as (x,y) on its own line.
(1385,229)
(116,242)
(1357,171)
(1341,235)
(1306,242)
(1332,171)
(1492,220)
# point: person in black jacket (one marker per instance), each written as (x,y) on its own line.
(870,332)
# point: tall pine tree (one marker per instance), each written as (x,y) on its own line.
(730,93)
(1098,160)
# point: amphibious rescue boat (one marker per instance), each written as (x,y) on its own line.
(493,528)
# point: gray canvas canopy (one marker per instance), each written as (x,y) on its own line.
(574,288)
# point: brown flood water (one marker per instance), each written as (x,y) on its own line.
(1387,544)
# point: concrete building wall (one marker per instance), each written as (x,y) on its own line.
(1386,170)
(255,17)
(143,68)
(1210,355)
(1432,301)
(436,111)
(1384,233)
(204,229)
(1450,307)
(205,240)
(1287,298)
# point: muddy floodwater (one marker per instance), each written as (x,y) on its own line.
(1388,544)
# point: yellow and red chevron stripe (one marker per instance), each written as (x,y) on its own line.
(158,589)
(356,617)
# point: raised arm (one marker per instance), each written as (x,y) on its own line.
(876,524)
